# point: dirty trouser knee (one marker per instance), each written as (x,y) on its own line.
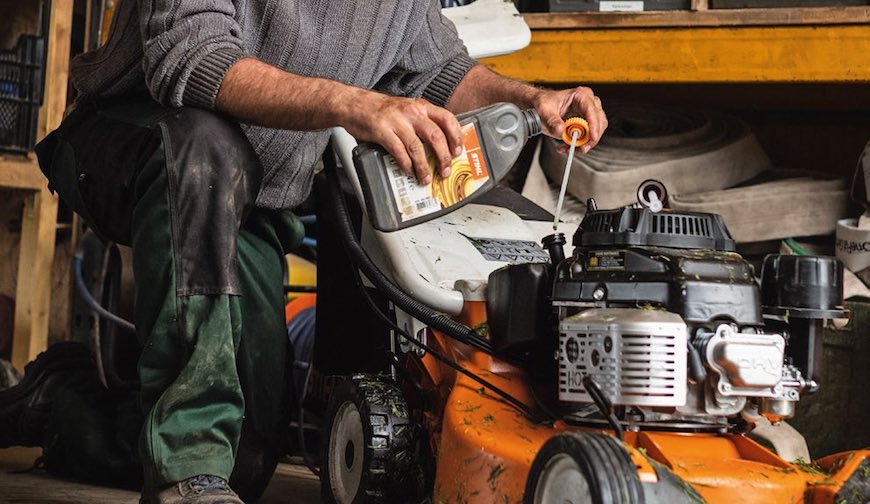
(178,185)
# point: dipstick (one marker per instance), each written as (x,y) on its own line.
(567,174)
(575,134)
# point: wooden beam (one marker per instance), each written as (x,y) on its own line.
(699,17)
(693,55)
(20,172)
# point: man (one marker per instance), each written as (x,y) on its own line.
(197,126)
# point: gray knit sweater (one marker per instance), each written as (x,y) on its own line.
(181,50)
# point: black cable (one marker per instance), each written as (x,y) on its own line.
(513,401)
(603,403)
(400,368)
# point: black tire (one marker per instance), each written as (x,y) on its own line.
(370,411)
(583,467)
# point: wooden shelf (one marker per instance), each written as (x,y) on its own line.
(20,172)
(697,18)
(706,46)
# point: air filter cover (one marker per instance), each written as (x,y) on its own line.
(802,286)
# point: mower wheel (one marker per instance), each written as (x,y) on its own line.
(583,467)
(369,456)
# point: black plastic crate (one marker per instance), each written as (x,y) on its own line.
(21,87)
(617,6)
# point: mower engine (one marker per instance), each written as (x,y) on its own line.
(659,313)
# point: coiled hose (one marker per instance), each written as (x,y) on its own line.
(94,305)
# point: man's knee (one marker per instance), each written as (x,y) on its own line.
(214,176)
(211,158)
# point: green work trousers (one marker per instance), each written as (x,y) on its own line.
(178,185)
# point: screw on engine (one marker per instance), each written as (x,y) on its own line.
(599,294)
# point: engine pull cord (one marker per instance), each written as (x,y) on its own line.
(575,134)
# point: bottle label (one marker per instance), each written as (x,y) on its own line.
(468,174)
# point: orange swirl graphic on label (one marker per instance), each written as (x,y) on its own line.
(459,185)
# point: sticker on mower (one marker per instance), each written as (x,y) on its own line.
(509,251)
(606,260)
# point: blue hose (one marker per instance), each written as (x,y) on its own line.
(93,303)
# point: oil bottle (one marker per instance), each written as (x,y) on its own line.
(492,138)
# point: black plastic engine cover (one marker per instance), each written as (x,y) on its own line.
(641,227)
(517,305)
(699,284)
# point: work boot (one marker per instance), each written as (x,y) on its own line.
(202,489)
(26,408)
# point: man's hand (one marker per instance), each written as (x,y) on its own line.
(481,87)
(555,106)
(404,127)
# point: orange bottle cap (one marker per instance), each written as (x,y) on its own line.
(579,125)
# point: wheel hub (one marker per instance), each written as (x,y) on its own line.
(562,482)
(345,453)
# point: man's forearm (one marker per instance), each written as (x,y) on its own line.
(481,87)
(258,93)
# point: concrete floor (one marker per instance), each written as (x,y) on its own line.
(291,483)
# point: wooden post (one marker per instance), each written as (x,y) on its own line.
(56,67)
(36,255)
(33,289)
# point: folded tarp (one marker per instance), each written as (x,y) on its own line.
(772,210)
(689,151)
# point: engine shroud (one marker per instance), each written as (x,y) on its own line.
(700,285)
(636,357)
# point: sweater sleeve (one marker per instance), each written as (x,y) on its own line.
(433,65)
(189,45)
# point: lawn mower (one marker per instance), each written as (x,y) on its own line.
(472,358)
(630,370)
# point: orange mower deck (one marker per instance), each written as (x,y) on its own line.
(484,447)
